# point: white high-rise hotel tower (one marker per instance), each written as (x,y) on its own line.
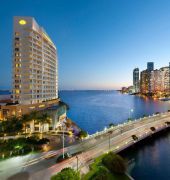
(35,76)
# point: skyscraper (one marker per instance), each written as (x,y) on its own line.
(35,78)
(156,81)
(144,82)
(169,79)
(136,80)
(164,75)
(150,68)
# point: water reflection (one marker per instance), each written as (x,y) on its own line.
(151,159)
(93,110)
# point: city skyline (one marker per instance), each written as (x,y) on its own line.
(96,50)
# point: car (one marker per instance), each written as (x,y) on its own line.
(134,137)
(66,156)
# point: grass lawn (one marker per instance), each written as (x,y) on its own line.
(96,165)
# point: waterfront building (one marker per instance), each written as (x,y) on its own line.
(164,74)
(136,80)
(131,89)
(35,72)
(34,63)
(150,68)
(169,79)
(124,90)
(156,81)
(144,82)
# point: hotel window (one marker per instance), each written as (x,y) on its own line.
(17,38)
(16,33)
(17,54)
(16,49)
(17,65)
(17,91)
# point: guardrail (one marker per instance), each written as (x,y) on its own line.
(120,126)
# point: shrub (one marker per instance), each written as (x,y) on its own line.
(101,174)
(43,141)
(111,125)
(66,174)
(115,163)
(82,134)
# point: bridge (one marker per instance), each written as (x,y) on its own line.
(114,139)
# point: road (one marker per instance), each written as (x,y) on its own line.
(43,165)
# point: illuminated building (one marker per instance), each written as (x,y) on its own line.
(136,80)
(156,81)
(164,73)
(144,82)
(150,68)
(35,78)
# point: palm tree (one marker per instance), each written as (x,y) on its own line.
(34,117)
(43,118)
(12,125)
(25,118)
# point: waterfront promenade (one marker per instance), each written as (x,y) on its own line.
(115,139)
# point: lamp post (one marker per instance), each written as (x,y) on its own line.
(77,163)
(63,141)
(109,138)
(63,137)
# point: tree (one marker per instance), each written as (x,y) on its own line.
(34,117)
(43,119)
(111,125)
(66,174)
(25,118)
(144,115)
(115,163)
(129,119)
(82,134)
(101,174)
(11,125)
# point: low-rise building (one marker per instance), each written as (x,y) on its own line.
(53,108)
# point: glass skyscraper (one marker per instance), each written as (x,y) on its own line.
(150,68)
(136,80)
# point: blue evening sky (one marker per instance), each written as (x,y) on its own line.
(99,42)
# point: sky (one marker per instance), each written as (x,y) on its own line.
(99,42)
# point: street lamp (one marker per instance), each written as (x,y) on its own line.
(63,135)
(77,163)
(63,141)
(109,138)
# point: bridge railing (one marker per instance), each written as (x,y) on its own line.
(121,126)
